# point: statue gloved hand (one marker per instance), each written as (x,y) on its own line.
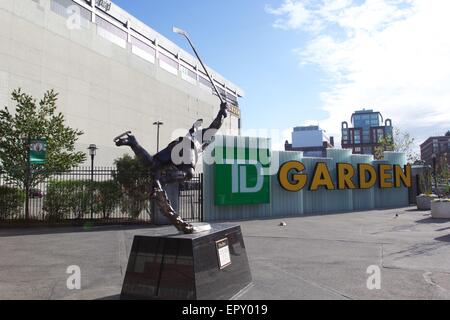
(224,109)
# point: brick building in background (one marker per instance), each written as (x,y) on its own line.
(367,131)
(435,147)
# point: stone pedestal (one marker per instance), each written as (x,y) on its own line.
(440,209)
(211,265)
(424,201)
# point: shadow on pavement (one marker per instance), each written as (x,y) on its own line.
(55,230)
(114,297)
(443,238)
(432,220)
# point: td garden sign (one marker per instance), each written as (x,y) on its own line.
(291,177)
(248,180)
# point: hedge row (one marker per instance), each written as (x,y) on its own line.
(72,199)
(11,202)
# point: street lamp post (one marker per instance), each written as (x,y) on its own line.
(158,124)
(27,178)
(92,152)
(434,171)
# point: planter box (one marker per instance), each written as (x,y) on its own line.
(424,201)
(440,210)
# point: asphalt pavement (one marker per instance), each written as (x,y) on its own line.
(312,257)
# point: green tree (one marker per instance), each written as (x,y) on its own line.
(35,120)
(108,197)
(135,182)
(400,142)
(442,170)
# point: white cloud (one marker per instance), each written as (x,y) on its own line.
(389,55)
(297,15)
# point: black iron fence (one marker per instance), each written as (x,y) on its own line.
(103,194)
(190,200)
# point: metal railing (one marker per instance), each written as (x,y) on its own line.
(92,195)
(125,30)
(190,200)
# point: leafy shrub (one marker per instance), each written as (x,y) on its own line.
(425,182)
(12,201)
(447,191)
(134,180)
(67,198)
(107,197)
(133,206)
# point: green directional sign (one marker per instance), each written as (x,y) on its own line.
(38,151)
(242,177)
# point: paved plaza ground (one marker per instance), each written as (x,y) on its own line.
(313,257)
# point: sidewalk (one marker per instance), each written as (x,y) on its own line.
(313,257)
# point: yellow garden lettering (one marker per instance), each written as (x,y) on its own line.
(292,178)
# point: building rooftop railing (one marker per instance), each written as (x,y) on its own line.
(124,30)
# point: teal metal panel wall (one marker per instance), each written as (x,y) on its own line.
(395,197)
(284,203)
(381,196)
(362,199)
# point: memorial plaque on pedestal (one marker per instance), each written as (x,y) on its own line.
(211,265)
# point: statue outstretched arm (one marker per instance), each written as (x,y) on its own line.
(221,116)
(209,133)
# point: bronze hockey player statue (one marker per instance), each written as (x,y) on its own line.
(176,163)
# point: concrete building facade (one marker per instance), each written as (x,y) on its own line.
(113,73)
(311,140)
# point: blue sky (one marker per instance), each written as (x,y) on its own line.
(316,61)
(237,39)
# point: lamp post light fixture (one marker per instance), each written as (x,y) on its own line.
(27,142)
(92,152)
(158,124)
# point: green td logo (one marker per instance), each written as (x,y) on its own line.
(242,175)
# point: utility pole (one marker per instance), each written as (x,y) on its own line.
(158,124)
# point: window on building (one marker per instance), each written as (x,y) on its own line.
(357,136)
(345,136)
(188,75)
(380,135)
(111,32)
(366,135)
(143,50)
(205,83)
(167,63)
(221,91)
(435,146)
(232,98)
(72,12)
